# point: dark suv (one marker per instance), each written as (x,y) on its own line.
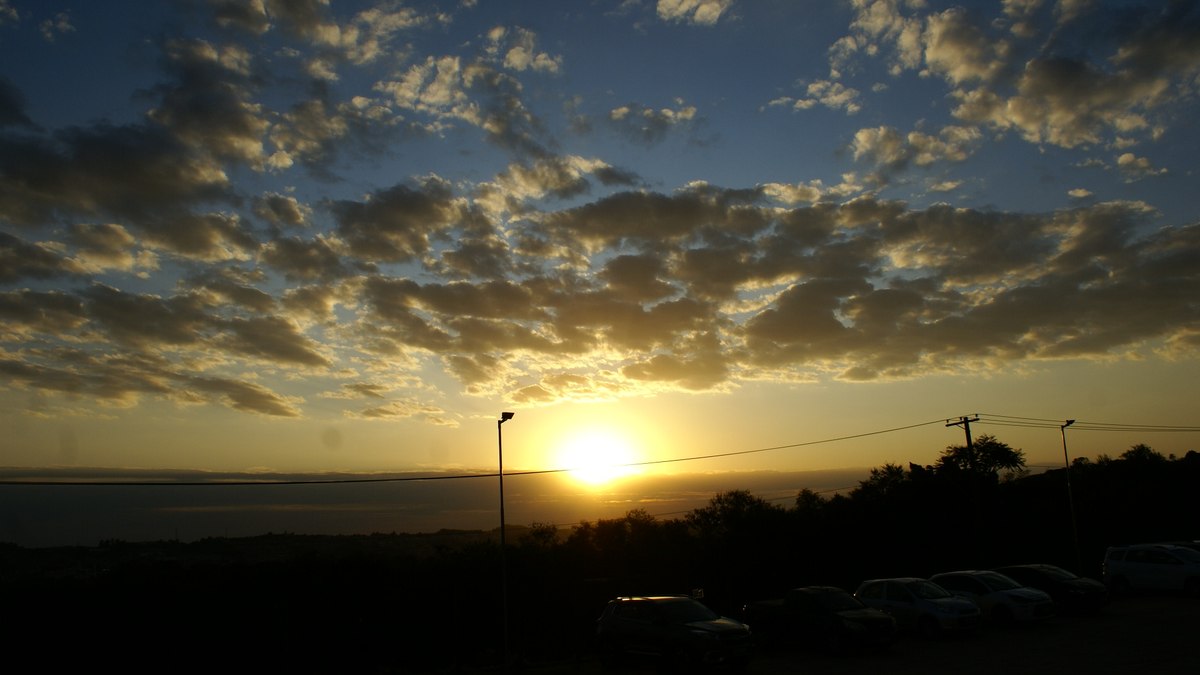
(1152,567)
(675,629)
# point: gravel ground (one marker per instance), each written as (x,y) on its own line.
(1147,634)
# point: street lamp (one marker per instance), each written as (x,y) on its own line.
(1070,497)
(504,417)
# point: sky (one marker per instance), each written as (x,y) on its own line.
(294,236)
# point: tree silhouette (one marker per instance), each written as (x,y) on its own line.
(987,456)
(733,511)
(1143,454)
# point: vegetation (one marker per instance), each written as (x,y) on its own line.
(405,603)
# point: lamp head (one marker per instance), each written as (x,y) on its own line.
(506,416)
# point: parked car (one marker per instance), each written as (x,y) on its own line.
(676,630)
(1001,599)
(1071,592)
(826,616)
(920,605)
(1152,567)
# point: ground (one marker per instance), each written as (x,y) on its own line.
(1147,634)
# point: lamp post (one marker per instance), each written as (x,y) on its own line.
(1070,497)
(504,417)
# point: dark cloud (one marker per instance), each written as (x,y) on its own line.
(20,259)
(146,320)
(208,106)
(132,172)
(231,287)
(281,210)
(244,396)
(395,225)
(12,106)
(27,312)
(273,339)
(305,259)
(648,126)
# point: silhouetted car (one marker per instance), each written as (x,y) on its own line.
(1001,599)
(676,630)
(1161,567)
(1071,592)
(920,605)
(825,616)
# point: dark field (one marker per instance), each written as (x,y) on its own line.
(1149,634)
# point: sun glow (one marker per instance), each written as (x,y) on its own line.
(596,456)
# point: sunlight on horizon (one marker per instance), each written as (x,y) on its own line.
(595,457)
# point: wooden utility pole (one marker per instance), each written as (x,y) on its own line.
(965,422)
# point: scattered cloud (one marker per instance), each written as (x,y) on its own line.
(699,12)
(647,125)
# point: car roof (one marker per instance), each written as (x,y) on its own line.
(1163,547)
(651,598)
(819,589)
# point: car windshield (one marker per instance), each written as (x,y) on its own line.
(997,582)
(1188,554)
(1054,572)
(837,600)
(685,611)
(927,590)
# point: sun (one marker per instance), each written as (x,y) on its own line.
(597,456)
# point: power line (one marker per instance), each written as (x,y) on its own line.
(1081,425)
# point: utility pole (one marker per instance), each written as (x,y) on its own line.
(1070,497)
(965,422)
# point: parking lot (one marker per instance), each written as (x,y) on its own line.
(1148,634)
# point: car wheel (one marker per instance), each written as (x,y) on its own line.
(929,627)
(609,656)
(682,660)
(1002,615)
(1120,586)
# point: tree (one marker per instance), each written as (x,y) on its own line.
(733,511)
(883,481)
(1143,454)
(987,456)
(809,502)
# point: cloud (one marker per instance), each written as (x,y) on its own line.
(1071,81)
(889,150)
(133,172)
(271,338)
(517,50)
(60,25)
(649,126)
(407,408)
(317,259)
(20,260)
(698,12)
(282,210)
(209,106)
(8,13)
(12,106)
(1136,168)
(833,95)
(109,246)
(245,396)
(396,224)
